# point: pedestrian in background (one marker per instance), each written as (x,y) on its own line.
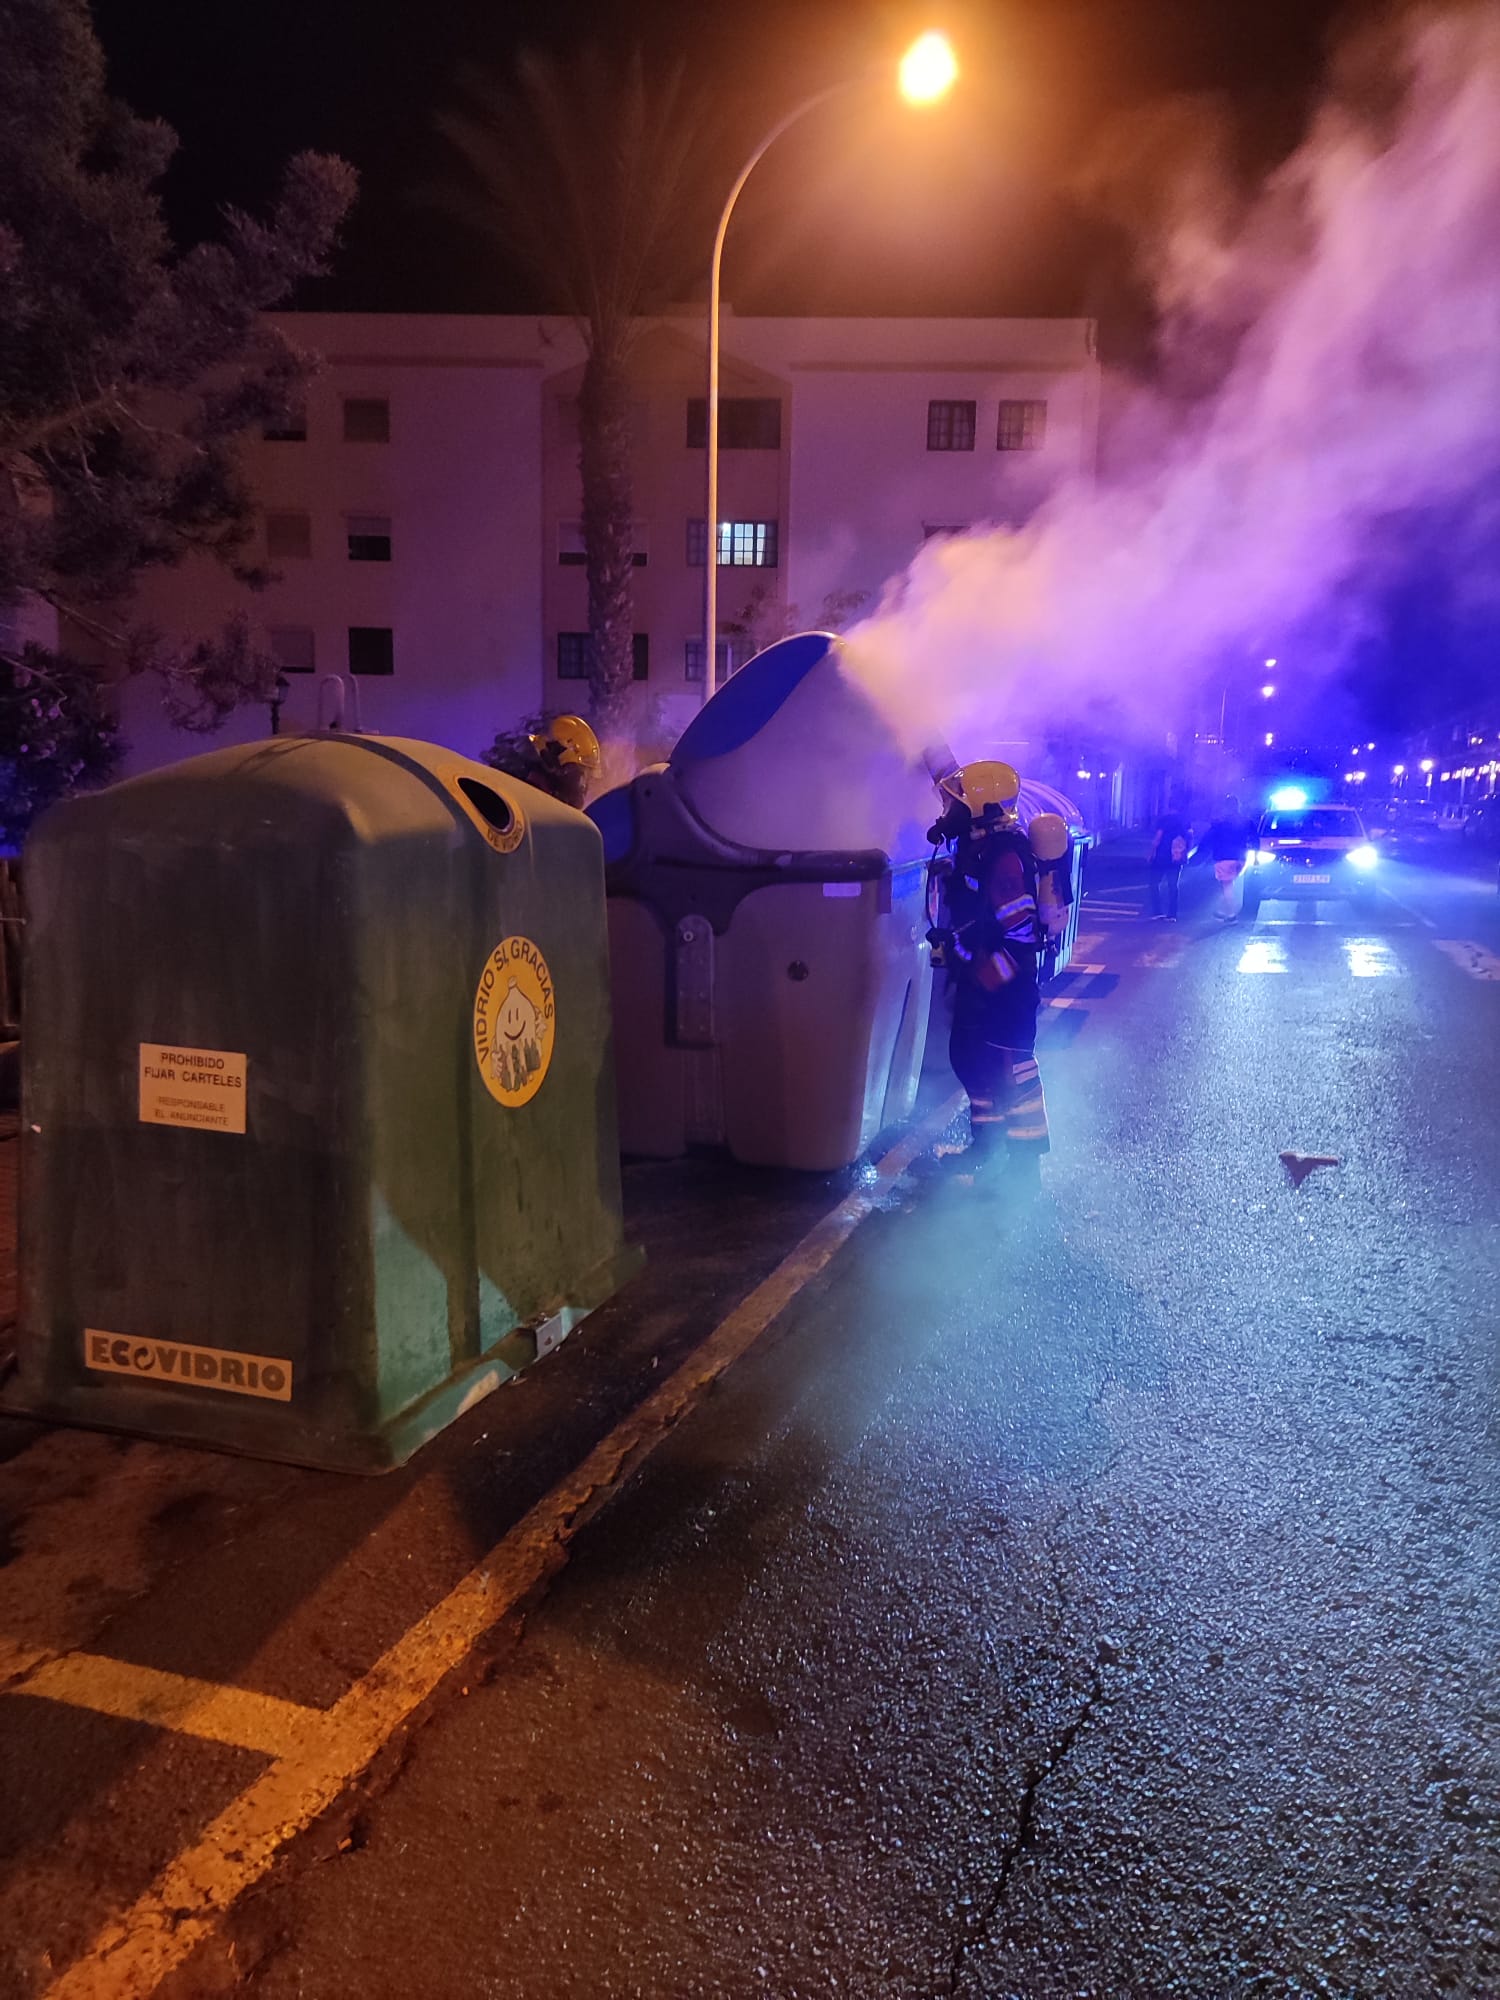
(1170,840)
(1227,841)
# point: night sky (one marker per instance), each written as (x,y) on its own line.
(883,210)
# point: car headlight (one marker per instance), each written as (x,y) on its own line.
(1261,857)
(1363,858)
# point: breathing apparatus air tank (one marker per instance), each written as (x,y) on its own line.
(1050,845)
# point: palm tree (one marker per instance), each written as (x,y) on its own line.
(584,171)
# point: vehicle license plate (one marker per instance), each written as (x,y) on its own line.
(1312,878)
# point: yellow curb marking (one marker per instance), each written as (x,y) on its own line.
(134,1952)
(221,1714)
(1475,959)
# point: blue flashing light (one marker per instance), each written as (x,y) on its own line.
(1288,798)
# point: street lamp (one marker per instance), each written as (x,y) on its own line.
(927,73)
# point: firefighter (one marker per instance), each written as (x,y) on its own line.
(993,1045)
(562,757)
(568,752)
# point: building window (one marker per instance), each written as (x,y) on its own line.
(369,538)
(572,656)
(372,649)
(1023,426)
(574,653)
(290,427)
(742,544)
(747,544)
(692,661)
(293,648)
(950,426)
(746,423)
(367,420)
(571,553)
(288,535)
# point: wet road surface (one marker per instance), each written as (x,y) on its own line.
(1096,1599)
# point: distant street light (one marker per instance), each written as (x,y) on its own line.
(927,72)
(1267,691)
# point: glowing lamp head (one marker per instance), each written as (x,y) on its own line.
(929,69)
(1426,763)
(1288,799)
(1267,691)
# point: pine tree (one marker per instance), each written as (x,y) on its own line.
(129,371)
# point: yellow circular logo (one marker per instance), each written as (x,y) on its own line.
(514,1021)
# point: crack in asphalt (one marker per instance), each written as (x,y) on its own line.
(980,1926)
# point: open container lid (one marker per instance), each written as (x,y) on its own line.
(792,756)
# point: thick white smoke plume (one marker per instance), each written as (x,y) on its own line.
(1366,384)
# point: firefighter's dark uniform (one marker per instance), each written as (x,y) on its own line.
(993,1045)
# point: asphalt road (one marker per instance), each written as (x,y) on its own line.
(1093,1600)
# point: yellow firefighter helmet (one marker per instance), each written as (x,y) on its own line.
(570,741)
(983,785)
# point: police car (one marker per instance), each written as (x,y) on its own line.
(1306,850)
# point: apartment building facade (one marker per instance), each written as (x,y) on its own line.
(422,512)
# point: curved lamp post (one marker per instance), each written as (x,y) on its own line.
(927,72)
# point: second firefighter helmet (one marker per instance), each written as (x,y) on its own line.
(568,739)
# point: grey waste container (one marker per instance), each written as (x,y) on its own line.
(770,972)
(319,1128)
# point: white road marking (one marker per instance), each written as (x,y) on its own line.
(1371,958)
(1262,955)
(1063,1000)
(1475,959)
(134,1952)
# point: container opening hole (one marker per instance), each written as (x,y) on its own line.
(491,808)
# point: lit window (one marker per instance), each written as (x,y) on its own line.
(950,426)
(288,535)
(293,648)
(746,423)
(742,544)
(369,538)
(747,544)
(1023,426)
(367,420)
(692,661)
(372,649)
